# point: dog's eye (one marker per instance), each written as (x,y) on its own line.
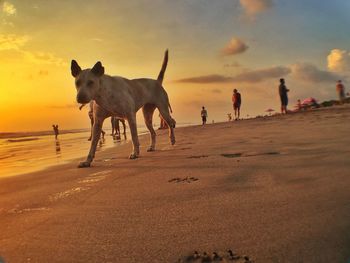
(77,83)
(90,83)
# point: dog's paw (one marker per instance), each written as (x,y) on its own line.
(84,164)
(133,156)
(151,149)
(172,141)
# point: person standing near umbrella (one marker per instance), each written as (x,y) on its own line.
(341,91)
(283,91)
(236,100)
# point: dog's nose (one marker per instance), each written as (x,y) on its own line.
(82,98)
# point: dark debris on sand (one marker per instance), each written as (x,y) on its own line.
(206,257)
(183,180)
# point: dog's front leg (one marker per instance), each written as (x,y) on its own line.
(96,133)
(135,139)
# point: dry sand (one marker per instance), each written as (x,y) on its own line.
(276,189)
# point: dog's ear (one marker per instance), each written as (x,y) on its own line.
(75,69)
(98,69)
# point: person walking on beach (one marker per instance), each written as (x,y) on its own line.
(117,127)
(341,91)
(204,115)
(55,130)
(236,100)
(283,91)
(113,121)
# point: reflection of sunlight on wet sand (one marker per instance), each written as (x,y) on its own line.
(23,156)
(16,210)
(87,183)
(67,193)
(95,177)
(58,148)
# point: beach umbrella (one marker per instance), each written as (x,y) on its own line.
(270,110)
(309,101)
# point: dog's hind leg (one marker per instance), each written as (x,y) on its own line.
(164,111)
(135,140)
(148,111)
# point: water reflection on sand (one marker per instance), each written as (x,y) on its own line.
(23,155)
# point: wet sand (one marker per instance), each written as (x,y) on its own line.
(275,189)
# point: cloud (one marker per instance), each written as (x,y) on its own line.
(234,47)
(7,23)
(232,65)
(260,75)
(97,39)
(67,106)
(338,60)
(253,76)
(15,43)
(309,73)
(9,9)
(206,79)
(43,58)
(12,42)
(254,7)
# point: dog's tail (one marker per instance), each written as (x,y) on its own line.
(162,71)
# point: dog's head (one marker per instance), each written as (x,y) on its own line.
(87,81)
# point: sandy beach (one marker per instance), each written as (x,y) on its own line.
(275,189)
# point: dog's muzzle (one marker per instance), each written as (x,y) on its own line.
(83,98)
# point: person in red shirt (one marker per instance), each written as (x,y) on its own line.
(237,101)
(341,91)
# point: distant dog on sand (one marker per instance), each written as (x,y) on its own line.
(121,97)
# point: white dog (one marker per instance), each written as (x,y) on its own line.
(121,97)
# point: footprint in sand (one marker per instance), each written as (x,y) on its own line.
(228,256)
(183,180)
(197,156)
(236,155)
(231,155)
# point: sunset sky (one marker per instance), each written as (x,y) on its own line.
(214,46)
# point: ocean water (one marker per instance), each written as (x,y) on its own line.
(19,155)
(22,153)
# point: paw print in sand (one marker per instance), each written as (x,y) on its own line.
(183,180)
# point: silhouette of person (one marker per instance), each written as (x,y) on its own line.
(237,101)
(340,91)
(204,115)
(283,92)
(113,121)
(117,128)
(55,130)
